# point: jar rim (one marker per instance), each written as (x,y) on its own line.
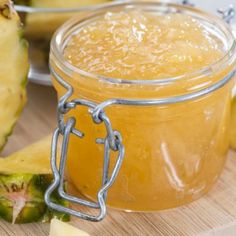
(57,43)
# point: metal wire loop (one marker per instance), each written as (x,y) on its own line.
(66,127)
(58,182)
(97,114)
(227,14)
(187,2)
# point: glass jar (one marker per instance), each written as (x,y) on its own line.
(174,131)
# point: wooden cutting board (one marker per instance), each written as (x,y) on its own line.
(213,215)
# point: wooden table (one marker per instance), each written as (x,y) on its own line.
(214,214)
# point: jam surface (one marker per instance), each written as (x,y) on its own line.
(140,45)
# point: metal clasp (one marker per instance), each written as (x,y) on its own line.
(227,14)
(187,2)
(113,141)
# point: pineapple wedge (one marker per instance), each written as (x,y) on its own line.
(59,228)
(24,178)
(13,69)
(34,159)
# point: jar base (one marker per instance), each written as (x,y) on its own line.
(76,192)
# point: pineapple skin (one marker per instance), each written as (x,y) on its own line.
(14,68)
(32,186)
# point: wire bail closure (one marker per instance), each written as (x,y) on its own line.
(228,14)
(187,3)
(113,141)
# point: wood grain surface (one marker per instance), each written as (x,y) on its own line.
(213,215)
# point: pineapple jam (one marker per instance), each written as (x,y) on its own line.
(141,46)
(173,153)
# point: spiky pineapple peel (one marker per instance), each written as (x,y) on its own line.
(14,67)
(24,178)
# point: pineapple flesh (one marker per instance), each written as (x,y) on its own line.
(24,178)
(13,69)
(59,228)
(34,159)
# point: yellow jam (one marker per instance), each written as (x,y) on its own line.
(173,153)
(141,46)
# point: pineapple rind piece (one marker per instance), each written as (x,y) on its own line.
(22,199)
(17,189)
(30,165)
